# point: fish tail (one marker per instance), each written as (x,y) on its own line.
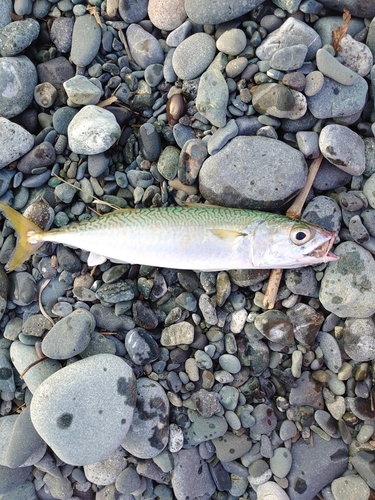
(30,237)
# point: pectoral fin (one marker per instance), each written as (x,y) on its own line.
(227,234)
(95,260)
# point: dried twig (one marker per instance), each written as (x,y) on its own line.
(42,310)
(293,212)
(93,12)
(339,33)
(112,7)
(31,365)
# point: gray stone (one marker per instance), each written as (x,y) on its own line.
(84,410)
(132,12)
(86,40)
(70,336)
(167,15)
(191,477)
(23,356)
(82,91)
(219,12)
(230,447)
(326,24)
(289,58)
(5,8)
(18,79)
(253,172)
(344,148)
(307,392)
(93,130)
(203,429)
(106,471)
(56,71)
(275,99)
(148,433)
(331,351)
(350,487)
(193,56)
(11,479)
(42,155)
(212,97)
(360,8)
(331,67)
(359,339)
(232,42)
(336,100)
(141,346)
(15,141)
(265,421)
(323,211)
(62,32)
(17,36)
(315,466)
(291,32)
(363,463)
(348,285)
(178,333)
(144,47)
(149,142)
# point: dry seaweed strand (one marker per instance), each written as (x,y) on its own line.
(339,33)
(93,12)
(294,212)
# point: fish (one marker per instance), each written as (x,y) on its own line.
(196,237)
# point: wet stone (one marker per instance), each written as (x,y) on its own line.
(276,327)
(97,417)
(141,346)
(148,433)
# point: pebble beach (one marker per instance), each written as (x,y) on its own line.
(131,382)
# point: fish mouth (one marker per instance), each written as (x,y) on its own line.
(322,252)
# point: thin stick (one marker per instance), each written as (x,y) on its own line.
(31,365)
(112,7)
(294,212)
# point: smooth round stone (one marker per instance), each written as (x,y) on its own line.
(295,80)
(22,288)
(335,100)
(230,447)
(350,487)
(15,142)
(132,12)
(212,97)
(230,363)
(167,14)
(148,433)
(43,155)
(281,462)
(331,351)
(302,281)
(356,55)
(138,40)
(23,356)
(5,8)
(330,177)
(348,284)
(291,32)
(141,347)
(276,327)
(86,39)
(17,36)
(362,464)
(288,430)
(308,144)
(62,117)
(307,392)
(45,94)
(289,58)
(70,336)
(93,130)
(154,74)
(128,481)
(232,42)
(6,373)
(61,33)
(314,83)
(327,423)
(236,66)
(343,147)
(193,56)
(271,491)
(192,156)
(149,142)
(253,172)
(168,162)
(94,398)
(18,78)
(265,421)
(359,339)
(220,12)
(315,466)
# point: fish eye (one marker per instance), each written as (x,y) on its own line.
(301,234)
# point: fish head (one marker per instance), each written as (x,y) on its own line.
(288,244)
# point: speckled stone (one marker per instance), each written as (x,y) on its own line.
(143,46)
(230,447)
(148,433)
(17,36)
(193,56)
(348,285)
(15,141)
(220,12)
(212,97)
(94,398)
(166,14)
(86,40)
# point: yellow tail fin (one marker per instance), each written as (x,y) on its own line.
(26,246)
